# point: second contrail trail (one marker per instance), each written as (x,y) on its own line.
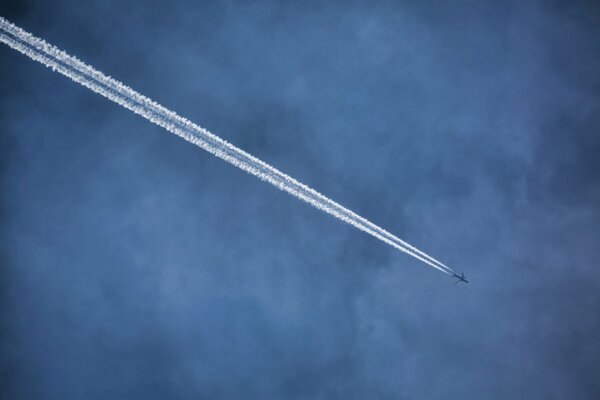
(87,76)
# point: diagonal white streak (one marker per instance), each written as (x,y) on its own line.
(87,76)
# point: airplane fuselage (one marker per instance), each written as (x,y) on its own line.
(461,278)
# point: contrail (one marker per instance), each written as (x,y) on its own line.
(38,50)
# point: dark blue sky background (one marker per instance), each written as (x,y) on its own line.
(135,265)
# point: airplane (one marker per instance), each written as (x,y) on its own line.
(461,278)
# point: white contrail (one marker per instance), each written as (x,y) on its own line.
(59,61)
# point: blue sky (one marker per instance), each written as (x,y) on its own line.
(135,265)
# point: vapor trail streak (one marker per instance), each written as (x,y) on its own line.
(87,76)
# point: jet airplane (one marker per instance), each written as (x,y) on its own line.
(461,278)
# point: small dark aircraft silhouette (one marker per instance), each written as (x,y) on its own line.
(461,278)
